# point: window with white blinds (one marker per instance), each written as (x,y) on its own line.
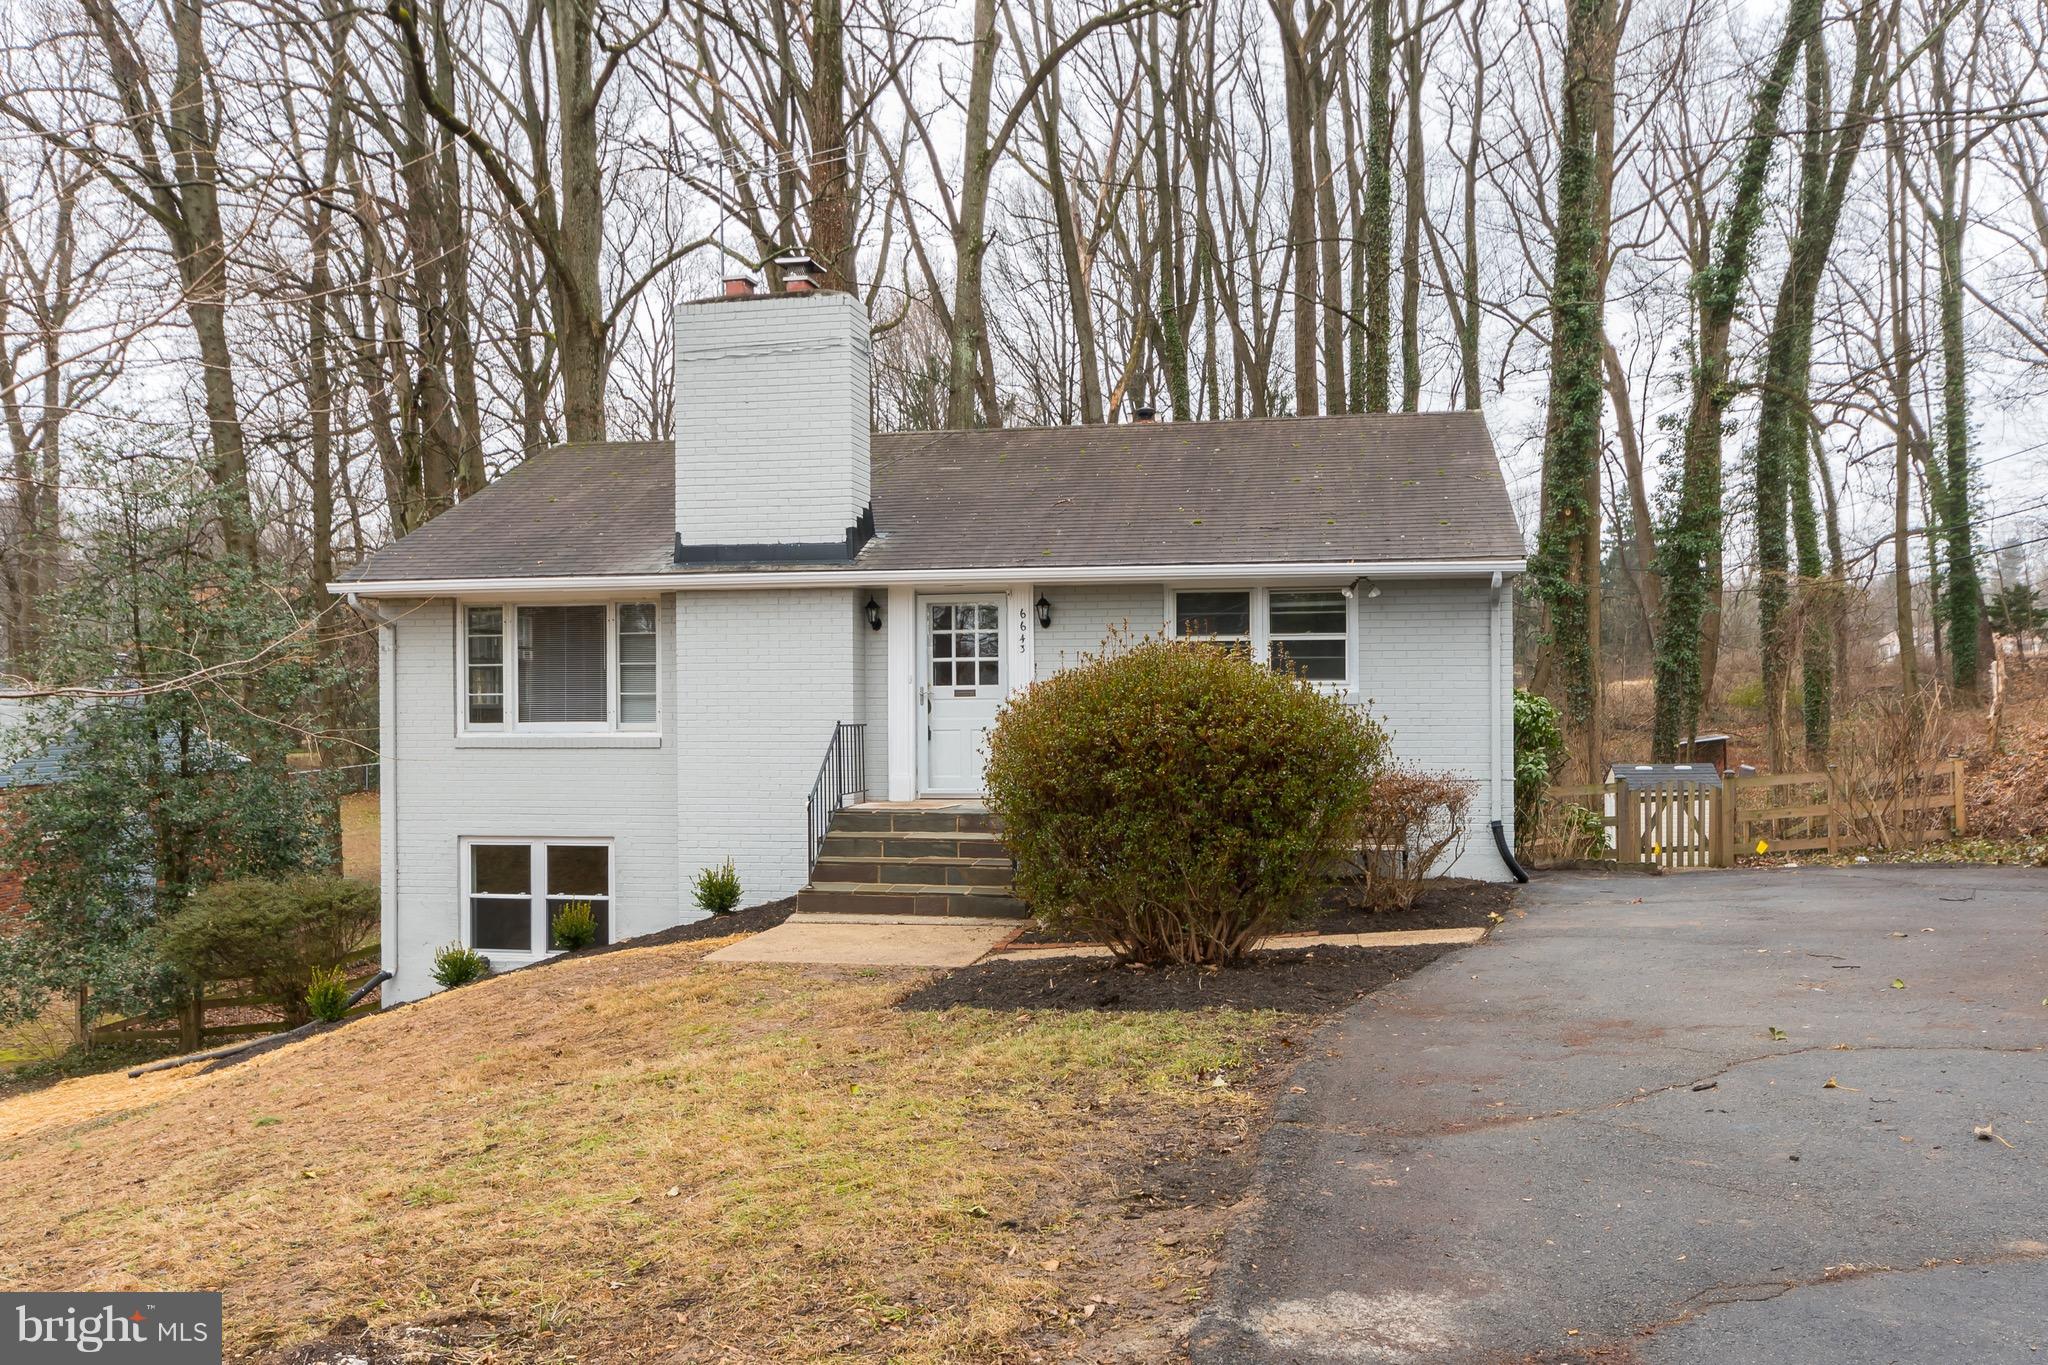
(561,665)
(1304,631)
(575,667)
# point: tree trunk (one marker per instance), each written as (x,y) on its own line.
(1828,159)
(831,166)
(1080,306)
(1299,84)
(1377,231)
(574,288)
(1816,663)
(1414,187)
(969,234)
(1964,598)
(1691,542)
(1903,425)
(1566,566)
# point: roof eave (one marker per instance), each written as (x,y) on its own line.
(714,579)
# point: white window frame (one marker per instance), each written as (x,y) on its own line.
(1261,639)
(536,893)
(509,624)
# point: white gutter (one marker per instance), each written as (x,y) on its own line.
(713,581)
(387,770)
(1492,681)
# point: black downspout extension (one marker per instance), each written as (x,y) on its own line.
(1507,855)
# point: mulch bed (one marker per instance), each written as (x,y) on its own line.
(1307,980)
(1291,980)
(1447,903)
(751,920)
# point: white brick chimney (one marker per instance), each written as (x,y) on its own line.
(772,428)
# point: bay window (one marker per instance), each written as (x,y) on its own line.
(574,668)
(1306,631)
(514,888)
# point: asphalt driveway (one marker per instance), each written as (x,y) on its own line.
(1583,1140)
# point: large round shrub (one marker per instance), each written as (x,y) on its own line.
(1177,801)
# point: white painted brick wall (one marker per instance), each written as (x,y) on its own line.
(874,683)
(444,790)
(765,675)
(755,683)
(772,419)
(1423,664)
(1084,615)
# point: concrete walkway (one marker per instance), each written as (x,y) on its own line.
(872,941)
(1673,1120)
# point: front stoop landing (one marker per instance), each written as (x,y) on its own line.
(920,858)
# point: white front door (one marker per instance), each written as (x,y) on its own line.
(961,686)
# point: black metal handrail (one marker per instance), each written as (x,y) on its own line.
(842,780)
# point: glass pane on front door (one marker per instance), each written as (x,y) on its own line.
(965,646)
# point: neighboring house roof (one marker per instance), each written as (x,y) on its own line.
(1418,487)
(57,762)
(1642,776)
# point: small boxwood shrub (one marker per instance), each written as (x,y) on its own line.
(327,997)
(718,889)
(456,965)
(1414,823)
(575,926)
(272,934)
(1177,801)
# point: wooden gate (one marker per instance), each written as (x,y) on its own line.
(1676,824)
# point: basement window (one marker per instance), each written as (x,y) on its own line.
(574,668)
(514,888)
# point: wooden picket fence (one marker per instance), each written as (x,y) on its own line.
(1812,812)
(1690,824)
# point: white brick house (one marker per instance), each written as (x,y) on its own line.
(624,662)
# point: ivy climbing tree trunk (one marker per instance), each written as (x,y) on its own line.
(1566,566)
(1816,657)
(1689,545)
(1946,209)
(1827,162)
(1377,231)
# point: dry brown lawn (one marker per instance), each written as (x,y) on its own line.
(360,851)
(643,1156)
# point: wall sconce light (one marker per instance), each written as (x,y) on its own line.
(1044,611)
(873,611)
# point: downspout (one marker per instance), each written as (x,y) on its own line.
(1500,833)
(387,774)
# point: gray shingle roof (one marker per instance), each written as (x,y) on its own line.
(1383,488)
(603,508)
(1644,776)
